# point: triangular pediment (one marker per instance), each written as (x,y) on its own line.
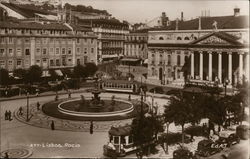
(213,40)
(217,38)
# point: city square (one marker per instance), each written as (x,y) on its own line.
(84,80)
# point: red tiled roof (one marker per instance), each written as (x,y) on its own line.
(223,22)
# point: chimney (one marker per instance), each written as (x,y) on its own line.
(177,24)
(181,16)
(199,23)
(236,11)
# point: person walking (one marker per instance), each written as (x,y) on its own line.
(91,127)
(20,111)
(38,106)
(6,115)
(6,156)
(52,125)
(69,94)
(10,118)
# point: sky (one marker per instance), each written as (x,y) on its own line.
(136,11)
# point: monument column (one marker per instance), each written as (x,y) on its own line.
(240,66)
(219,67)
(192,64)
(247,66)
(210,66)
(230,67)
(201,65)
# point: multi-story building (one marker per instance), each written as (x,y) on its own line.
(49,45)
(208,49)
(135,45)
(111,36)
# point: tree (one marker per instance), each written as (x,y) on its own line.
(4,77)
(53,75)
(79,71)
(34,74)
(179,112)
(21,73)
(91,69)
(143,131)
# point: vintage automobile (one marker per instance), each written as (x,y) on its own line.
(206,148)
(182,153)
(227,139)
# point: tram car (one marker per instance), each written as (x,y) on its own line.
(120,142)
(123,86)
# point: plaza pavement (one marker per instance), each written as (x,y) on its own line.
(43,142)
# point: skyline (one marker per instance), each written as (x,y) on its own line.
(137,11)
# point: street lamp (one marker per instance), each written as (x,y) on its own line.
(27,119)
(167,137)
(225,85)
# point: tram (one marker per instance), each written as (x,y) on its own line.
(123,86)
(120,142)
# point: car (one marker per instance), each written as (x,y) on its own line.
(206,148)
(227,139)
(182,153)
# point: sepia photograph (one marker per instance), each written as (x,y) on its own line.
(132,79)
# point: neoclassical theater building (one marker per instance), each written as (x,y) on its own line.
(206,49)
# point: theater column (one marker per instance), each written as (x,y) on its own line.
(192,64)
(201,65)
(210,66)
(230,67)
(219,67)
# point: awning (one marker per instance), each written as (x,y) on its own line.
(130,59)
(59,72)
(145,61)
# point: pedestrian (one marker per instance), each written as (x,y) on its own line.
(20,111)
(38,106)
(10,118)
(52,125)
(69,94)
(129,97)
(91,127)
(6,155)
(6,115)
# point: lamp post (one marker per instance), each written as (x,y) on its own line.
(225,85)
(27,119)
(167,137)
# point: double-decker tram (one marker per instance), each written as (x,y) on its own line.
(124,86)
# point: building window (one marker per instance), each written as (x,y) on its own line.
(51,50)
(38,51)
(57,51)
(45,40)
(92,50)
(78,61)
(179,38)
(2,40)
(27,40)
(169,59)
(51,62)
(57,62)
(186,38)
(63,51)
(38,62)
(69,50)
(27,51)
(44,51)
(69,60)
(178,60)
(78,50)
(19,52)
(161,38)
(11,52)
(19,63)
(78,40)
(85,59)
(10,40)
(92,41)
(2,52)
(2,64)
(10,62)
(85,50)
(85,40)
